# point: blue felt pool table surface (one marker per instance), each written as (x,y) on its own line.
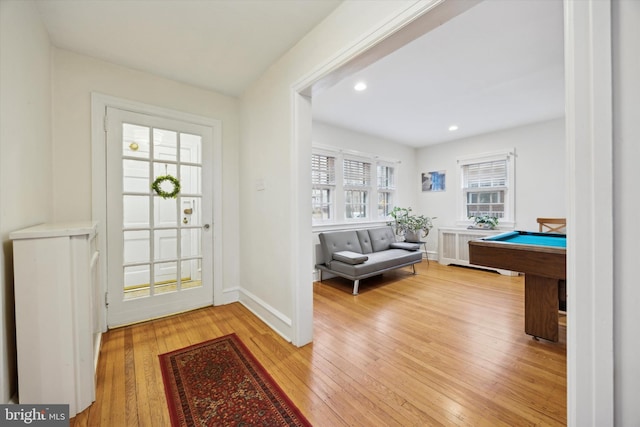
(530,238)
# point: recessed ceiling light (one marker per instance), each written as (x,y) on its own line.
(360,86)
(453,128)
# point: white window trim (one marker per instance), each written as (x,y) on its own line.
(508,222)
(340,221)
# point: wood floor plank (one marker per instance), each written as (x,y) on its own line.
(131,381)
(445,346)
(114,400)
(150,395)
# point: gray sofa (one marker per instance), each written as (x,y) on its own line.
(358,254)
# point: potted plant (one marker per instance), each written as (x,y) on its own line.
(484,221)
(412,227)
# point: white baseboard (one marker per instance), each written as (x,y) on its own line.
(432,255)
(229,295)
(276,320)
(97,343)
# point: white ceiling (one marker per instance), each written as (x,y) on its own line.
(222,45)
(498,65)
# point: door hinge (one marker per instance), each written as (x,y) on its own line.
(106,299)
(105,122)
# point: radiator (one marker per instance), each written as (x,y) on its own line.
(453,247)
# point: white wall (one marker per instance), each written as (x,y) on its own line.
(25,152)
(626,152)
(540,168)
(75,77)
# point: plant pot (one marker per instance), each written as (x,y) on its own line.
(484,226)
(412,236)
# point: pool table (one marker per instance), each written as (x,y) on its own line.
(542,257)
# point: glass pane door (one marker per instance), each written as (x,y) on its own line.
(160,193)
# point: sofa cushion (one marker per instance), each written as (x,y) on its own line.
(381,238)
(405,245)
(365,241)
(336,241)
(349,257)
(377,261)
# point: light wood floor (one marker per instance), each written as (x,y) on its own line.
(443,347)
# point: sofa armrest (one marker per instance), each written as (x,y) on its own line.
(405,245)
(349,257)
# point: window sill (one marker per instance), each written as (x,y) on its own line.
(503,225)
(317,228)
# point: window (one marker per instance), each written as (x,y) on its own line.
(323,180)
(486,186)
(356,184)
(386,189)
(350,187)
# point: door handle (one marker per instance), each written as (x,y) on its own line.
(206,226)
(188,211)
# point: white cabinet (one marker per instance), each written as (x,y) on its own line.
(56,271)
(453,246)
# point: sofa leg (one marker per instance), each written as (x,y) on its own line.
(414,268)
(356,283)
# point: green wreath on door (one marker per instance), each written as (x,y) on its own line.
(157,186)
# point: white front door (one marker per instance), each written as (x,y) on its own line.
(159,241)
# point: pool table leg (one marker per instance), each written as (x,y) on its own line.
(541,307)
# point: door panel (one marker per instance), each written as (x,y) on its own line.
(159,252)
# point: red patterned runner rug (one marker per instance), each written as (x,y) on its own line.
(220,383)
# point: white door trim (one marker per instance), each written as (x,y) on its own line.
(589,138)
(99,104)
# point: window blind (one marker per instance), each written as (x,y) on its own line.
(485,175)
(356,173)
(323,170)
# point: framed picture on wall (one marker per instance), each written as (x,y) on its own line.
(433,181)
